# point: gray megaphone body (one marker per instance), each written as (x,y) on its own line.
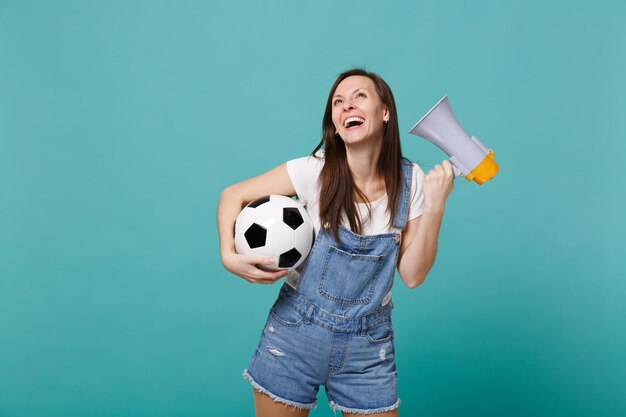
(469,157)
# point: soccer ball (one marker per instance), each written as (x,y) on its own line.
(276,226)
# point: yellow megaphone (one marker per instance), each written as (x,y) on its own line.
(469,157)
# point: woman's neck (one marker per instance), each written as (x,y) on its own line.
(363,161)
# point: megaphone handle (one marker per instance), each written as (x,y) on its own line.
(455,170)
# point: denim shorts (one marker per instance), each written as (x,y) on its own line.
(303,347)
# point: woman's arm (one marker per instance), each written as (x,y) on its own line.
(231,202)
(418,248)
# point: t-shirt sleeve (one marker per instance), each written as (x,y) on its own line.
(304,173)
(417,192)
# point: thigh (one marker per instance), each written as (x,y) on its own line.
(264,406)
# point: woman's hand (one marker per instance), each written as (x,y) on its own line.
(438,185)
(246,267)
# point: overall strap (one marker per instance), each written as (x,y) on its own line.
(402,212)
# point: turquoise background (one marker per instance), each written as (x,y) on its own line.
(121,122)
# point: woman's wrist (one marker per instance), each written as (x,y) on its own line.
(434,209)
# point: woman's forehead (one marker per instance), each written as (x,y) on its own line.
(353,82)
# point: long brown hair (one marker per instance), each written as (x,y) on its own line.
(338,190)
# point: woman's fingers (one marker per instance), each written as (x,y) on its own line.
(251,268)
(271,277)
(257,275)
(442,170)
(255,259)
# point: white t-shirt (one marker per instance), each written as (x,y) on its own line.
(304,173)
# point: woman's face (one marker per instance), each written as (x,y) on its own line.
(357,111)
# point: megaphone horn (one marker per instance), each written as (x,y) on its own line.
(469,157)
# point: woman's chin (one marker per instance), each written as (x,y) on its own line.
(355,140)
(353,136)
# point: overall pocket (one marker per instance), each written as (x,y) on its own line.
(349,278)
(286,315)
(380,334)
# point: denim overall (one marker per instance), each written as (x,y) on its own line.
(332,330)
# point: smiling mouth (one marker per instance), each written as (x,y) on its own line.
(356,126)
(354,123)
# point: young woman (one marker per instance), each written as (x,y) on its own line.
(373,211)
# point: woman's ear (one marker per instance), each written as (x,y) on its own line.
(386,115)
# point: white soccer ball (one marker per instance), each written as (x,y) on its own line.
(275,226)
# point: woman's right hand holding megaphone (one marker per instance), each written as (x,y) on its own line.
(438,184)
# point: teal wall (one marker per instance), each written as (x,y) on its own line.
(121,122)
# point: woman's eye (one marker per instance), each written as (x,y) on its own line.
(339,100)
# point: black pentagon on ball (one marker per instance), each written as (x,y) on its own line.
(292,217)
(255,236)
(289,258)
(257,203)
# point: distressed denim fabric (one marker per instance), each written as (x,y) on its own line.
(332,330)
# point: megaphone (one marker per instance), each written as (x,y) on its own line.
(469,157)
